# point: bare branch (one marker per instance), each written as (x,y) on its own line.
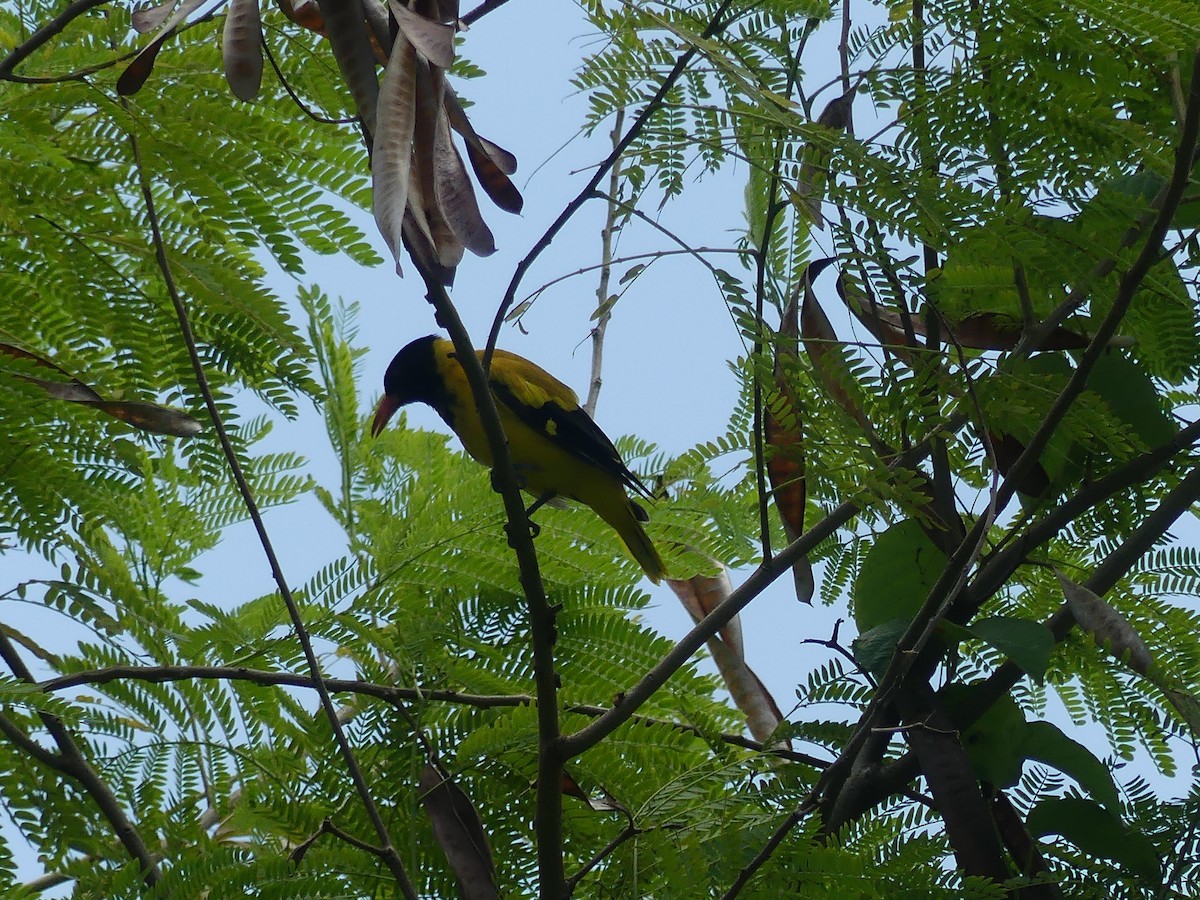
(54,27)
(604,313)
(652,106)
(395,864)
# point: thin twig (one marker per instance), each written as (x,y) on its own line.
(603,309)
(716,23)
(653,255)
(481,10)
(327,827)
(629,831)
(71,762)
(794,818)
(387,692)
(323,120)
(395,864)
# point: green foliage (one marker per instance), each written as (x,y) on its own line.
(1002,159)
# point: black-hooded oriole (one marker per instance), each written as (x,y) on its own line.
(555,447)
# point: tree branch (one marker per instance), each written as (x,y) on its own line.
(652,106)
(386,692)
(604,312)
(54,27)
(541,615)
(891,778)
(395,864)
(71,762)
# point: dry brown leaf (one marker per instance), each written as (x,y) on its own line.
(783,431)
(1007,450)
(391,165)
(349,39)
(992,331)
(459,832)
(139,69)
(1108,628)
(492,164)
(701,594)
(140,414)
(150,417)
(885,323)
(456,197)
(432,40)
(422,193)
(304,13)
(379,29)
(823,348)
(150,18)
(605,803)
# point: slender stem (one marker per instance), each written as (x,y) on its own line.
(387,692)
(541,615)
(302,636)
(604,312)
(602,854)
(71,762)
(652,106)
(777,836)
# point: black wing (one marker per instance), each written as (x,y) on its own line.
(574,430)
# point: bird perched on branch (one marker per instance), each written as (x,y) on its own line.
(555,447)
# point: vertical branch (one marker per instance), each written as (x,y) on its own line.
(387,849)
(551,752)
(603,310)
(762,259)
(930,363)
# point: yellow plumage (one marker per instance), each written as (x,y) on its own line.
(555,447)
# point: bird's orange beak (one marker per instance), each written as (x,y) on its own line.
(386,409)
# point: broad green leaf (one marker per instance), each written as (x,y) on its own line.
(900,569)
(1028,644)
(1095,830)
(1131,394)
(874,649)
(1046,743)
(994,743)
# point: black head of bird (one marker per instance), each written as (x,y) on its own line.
(555,447)
(410,378)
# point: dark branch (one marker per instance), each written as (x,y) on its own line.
(54,27)
(395,864)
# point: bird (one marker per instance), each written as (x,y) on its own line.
(557,451)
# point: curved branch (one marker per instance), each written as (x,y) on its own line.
(395,864)
(71,762)
(652,106)
(54,27)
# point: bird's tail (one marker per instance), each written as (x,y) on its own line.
(624,519)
